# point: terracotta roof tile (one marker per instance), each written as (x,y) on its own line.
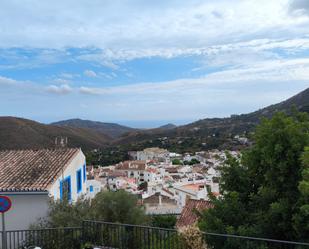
(188,216)
(32,170)
(132,165)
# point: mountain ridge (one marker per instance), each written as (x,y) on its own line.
(113,130)
(20,133)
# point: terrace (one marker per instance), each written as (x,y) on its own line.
(97,234)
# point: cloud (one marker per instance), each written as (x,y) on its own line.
(68,75)
(137,26)
(90,73)
(89,90)
(62,81)
(61,90)
(299,6)
(278,70)
(7,81)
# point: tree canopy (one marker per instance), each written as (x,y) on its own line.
(119,207)
(265,193)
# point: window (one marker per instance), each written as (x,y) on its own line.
(79,180)
(91,188)
(84,172)
(65,189)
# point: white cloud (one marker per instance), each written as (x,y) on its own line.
(138,26)
(62,81)
(90,73)
(293,70)
(7,81)
(299,6)
(68,75)
(63,89)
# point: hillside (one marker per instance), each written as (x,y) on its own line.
(18,133)
(167,126)
(211,132)
(111,129)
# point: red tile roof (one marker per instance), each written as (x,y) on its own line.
(131,165)
(32,170)
(188,214)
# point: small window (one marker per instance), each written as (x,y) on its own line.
(91,188)
(79,180)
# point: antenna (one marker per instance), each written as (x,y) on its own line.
(61,142)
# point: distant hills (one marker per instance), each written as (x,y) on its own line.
(18,133)
(167,126)
(212,132)
(111,129)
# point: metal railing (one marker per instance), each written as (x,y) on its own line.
(113,235)
(47,238)
(126,236)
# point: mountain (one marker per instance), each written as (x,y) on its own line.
(19,133)
(110,129)
(211,132)
(167,126)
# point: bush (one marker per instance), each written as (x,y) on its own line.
(117,206)
(192,238)
(164,221)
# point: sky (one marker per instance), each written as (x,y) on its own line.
(146,63)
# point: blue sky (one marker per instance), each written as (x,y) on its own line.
(145,63)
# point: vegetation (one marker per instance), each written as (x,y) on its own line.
(164,221)
(107,156)
(192,162)
(117,206)
(143,186)
(177,162)
(265,194)
(192,238)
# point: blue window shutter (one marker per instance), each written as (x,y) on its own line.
(66,182)
(61,194)
(91,188)
(84,172)
(69,188)
(79,180)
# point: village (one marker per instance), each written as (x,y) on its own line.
(164,181)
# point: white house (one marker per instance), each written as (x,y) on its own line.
(133,169)
(30,177)
(197,191)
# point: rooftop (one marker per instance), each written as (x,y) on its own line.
(32,170)
(189,213)
(131,165)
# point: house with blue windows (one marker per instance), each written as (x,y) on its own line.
(71,182)
(30,178)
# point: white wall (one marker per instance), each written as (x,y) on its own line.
(26,209)
(76,164)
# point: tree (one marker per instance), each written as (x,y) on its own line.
(264,194)
(176,161)
(301,217)
(107,206)
(119,207)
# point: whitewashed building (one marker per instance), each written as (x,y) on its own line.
(31,177)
